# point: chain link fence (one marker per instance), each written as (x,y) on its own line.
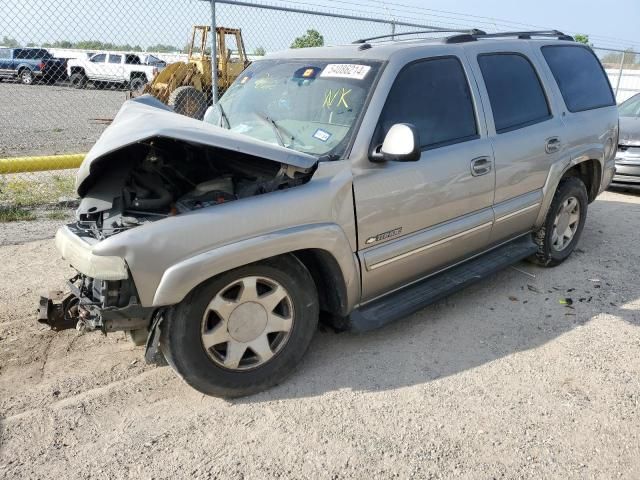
(67,66)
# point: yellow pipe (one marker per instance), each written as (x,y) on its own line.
(39,164)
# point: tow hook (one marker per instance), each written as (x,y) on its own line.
(59,310)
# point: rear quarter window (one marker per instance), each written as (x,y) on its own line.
(580,77)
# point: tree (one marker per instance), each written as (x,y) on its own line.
(310,39)
(9,42)
(260,52)
(161,48)
(581,38)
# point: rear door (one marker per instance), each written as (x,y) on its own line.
(525,132)
(417,217)
(115,67)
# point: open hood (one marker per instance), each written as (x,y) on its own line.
(146,118)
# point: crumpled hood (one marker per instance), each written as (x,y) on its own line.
(630,131)
(145,117)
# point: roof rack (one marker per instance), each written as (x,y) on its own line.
(526,35)
(420,32)
(474,34)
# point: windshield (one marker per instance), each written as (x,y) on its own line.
(630,108)
(306,105)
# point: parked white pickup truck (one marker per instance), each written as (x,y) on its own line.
(112,68)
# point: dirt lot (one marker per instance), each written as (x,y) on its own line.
(501,380)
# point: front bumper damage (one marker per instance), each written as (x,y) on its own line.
(91,304)
(102,296)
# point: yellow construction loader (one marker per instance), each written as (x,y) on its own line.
(187,86)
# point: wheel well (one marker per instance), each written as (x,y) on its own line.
(77,70)
(141,75)
(590,174)
(326,273)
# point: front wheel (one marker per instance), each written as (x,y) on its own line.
(244,330)
(26,77)
(564,223)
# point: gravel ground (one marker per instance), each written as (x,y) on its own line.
(501,380)
(48,119)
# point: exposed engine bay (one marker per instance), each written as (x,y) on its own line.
(163,177)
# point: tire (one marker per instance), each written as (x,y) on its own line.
(188,101)
(78,80)
(137,83)
(26,76)
(552,250)
(213,372)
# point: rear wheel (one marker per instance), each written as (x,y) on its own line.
(564,223)
(78,80)
(243,331)
(26,76)
(136,85)
(188,101)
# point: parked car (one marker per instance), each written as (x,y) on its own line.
(111,68)
(153,60)
(628,157)
(30,64)
(365,181)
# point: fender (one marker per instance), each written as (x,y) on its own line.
(178,280)
(558,170)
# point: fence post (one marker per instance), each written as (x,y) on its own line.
(214,56)
(619,75)
(393,30)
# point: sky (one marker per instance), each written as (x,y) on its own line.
(613,24)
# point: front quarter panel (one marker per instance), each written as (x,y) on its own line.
(170,257)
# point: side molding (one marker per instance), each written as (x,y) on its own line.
(178,280)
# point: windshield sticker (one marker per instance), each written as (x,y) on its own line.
(345,70)
(322,135)
(306,73)
(336,98)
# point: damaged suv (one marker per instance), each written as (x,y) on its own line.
(362,181)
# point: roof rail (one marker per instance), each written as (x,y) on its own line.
(420,32)
(526,35)
(463,36)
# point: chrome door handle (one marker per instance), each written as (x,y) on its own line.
(553,145)
(480,166)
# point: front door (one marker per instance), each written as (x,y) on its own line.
(414,218)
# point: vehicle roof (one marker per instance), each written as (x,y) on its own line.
(386,49)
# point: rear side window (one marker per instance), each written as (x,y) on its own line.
(515,92)
(582,81)
(434,96)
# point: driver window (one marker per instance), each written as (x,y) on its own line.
(434,96)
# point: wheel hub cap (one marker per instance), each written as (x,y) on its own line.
(565,224)
(247,322)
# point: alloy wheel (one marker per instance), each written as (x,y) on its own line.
(247,323)
(565,224)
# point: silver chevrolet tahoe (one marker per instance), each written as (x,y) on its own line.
(358,182)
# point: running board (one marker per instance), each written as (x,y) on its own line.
(412,298)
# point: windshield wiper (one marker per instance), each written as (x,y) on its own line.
(223,116)
(277,129)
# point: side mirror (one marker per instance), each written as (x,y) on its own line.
(401,144)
